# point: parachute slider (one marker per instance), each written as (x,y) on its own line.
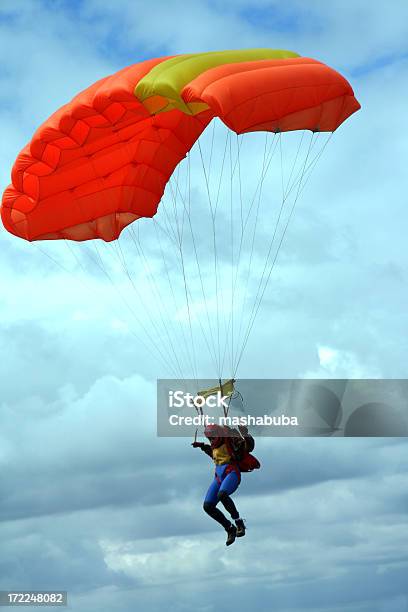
(226,389)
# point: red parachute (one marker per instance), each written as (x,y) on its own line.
(103,160)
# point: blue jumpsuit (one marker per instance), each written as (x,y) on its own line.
(222,482)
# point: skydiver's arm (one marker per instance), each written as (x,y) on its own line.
(206,448)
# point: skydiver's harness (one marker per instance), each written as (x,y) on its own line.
(242,458)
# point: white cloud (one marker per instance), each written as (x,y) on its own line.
(336,363)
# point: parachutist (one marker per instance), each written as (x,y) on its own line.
(230,451)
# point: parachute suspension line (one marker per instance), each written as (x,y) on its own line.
(51,258)
(177,228)
(227,138)
(174,299)
(183,345)
(238,259)
(231,317)
(264,171)
(176,244)
(228,146)
(240,186)
(235,258)
(215,261)
(184,273)
(187,213)
(213,209)
(88,289)
(118,252)
(170,225)
(267,158)
(304,172)
(159,305)
(281,167)
(103,269)
(155,351)
(235,261)
(239,143)
(132,311)
(262,284)
(273,147)
(211,151)
(295,161)
(315,160)
(262,289)
(187,209)
(179,344)
(212,351)
(179,240)
(200,412)
(179,224)
(298,180)
(225,409)
(162,228)
(220,182)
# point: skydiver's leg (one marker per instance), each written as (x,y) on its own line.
(227,488)
(210,503)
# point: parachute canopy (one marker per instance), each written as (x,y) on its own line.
(104,159)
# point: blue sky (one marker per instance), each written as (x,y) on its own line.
(92,501)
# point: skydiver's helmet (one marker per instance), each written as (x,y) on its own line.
(214,431)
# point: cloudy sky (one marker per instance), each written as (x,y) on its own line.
(91,500)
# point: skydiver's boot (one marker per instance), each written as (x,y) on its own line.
(232,534)
(240,527)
